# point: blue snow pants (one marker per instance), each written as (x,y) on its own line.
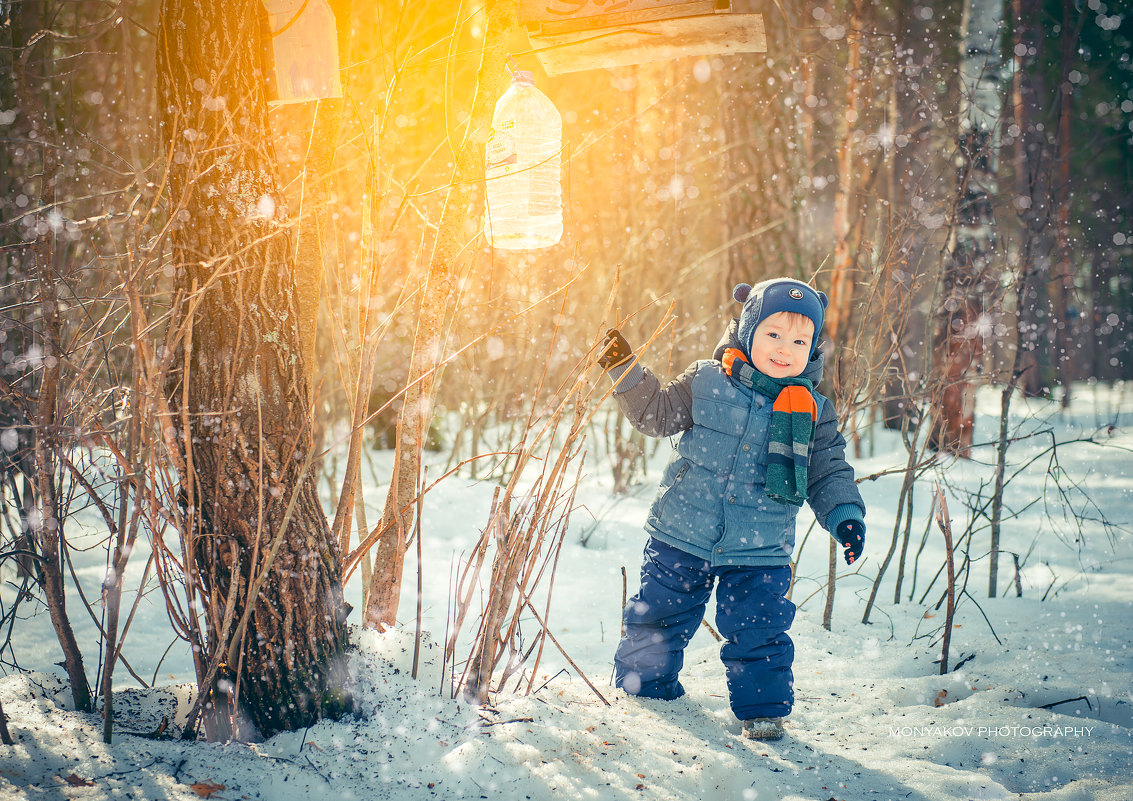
(752,615)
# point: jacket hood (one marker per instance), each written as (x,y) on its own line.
(731,339)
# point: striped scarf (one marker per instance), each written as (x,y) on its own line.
(793,418)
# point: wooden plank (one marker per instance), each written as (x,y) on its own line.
(626,18)
(655,40)
(561,10)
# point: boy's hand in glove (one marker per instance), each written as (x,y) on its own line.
(851,533)
(615,350)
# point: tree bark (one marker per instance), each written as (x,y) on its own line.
(241,399)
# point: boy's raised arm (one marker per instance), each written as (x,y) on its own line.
(653,410)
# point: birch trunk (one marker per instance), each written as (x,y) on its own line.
(970,274)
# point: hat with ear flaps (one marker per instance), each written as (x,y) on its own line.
(778,295)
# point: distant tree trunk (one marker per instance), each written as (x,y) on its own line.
(314,245)
(918,194)
(1031,202)
(384,591)
(1062,281)
(313,241)
(241,402)
(970,275)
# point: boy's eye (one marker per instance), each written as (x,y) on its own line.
(800,342)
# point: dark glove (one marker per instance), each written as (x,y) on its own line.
(851,533)
(615,350)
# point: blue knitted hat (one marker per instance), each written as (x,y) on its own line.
(778,295)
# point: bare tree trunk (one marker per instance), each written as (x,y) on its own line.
(970,275)
(842,282)
(46,529)
(384,591)
(312,241)
(1023,363)
(252,515)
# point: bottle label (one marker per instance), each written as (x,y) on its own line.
(500,155)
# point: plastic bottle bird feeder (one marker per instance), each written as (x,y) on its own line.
(522,163)
(304,43)
(575,35)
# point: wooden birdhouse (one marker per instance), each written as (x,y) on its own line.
(304,46)
(575,35)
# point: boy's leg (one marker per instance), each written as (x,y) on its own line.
(753,615)
(660,620)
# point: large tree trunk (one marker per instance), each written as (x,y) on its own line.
(970,274)
(251,512)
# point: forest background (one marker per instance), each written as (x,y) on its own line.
(183,262)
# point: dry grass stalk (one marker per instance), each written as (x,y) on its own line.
(526,527)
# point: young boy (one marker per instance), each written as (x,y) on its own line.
(756,441)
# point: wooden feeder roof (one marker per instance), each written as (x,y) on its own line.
(576,35)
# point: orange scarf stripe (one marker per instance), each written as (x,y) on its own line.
(796,399)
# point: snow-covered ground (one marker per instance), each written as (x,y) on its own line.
(1042,712)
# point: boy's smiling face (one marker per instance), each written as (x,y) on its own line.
(781,344)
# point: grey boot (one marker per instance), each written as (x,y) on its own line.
(764,729)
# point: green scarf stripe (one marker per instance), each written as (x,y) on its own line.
(789,437)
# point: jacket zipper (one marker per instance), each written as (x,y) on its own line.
(676,480)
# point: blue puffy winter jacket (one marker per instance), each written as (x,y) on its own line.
(712,501)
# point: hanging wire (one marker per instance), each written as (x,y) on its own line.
(293,20)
